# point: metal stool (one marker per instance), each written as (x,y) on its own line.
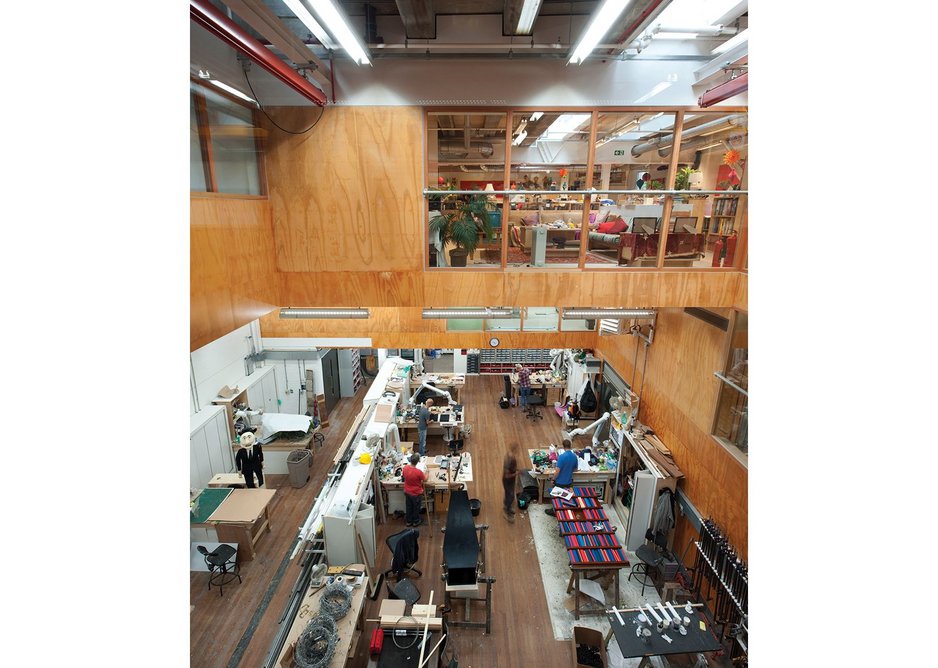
(218,562)
(319,438)
(650,560)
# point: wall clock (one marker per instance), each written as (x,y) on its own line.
(493,342)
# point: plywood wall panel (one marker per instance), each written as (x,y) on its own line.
(679,394)
(496,288)
(347,194)
(232,275)
(742,293)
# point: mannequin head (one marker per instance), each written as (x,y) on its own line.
(247,439)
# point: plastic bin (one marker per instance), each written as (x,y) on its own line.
(298,463)
(475,506)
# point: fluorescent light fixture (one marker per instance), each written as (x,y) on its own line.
(298,8)
(598,27)
(733,41)
(576,313)
(528,14)
(490,312)
(676,35)
(564,125)
(536,116)
(335,313)
(233,91)
(520,138)
(337,25)
(654,91)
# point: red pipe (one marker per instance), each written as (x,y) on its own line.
(207,16)
(724,91)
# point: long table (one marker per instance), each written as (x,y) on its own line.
(439,479)
(348,628)
(542,382)
(544,474)
(699,637)
(237,515)
(405,426)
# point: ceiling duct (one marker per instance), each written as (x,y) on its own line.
(706,128)
(692,143)
(456,150)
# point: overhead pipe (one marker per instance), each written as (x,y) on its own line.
(725,90)
(667,140)
(696,141)
(206,15)
(454,150)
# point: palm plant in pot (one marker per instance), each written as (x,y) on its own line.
(462,226)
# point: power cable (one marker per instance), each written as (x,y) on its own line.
(322,109)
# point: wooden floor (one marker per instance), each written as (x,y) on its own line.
(521,630)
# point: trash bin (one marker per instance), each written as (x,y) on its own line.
(298,463)
(475,506)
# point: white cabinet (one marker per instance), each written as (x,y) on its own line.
(263,394)
(209,448)
(341,547)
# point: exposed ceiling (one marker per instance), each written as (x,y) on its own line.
(648,30)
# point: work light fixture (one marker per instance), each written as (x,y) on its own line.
(334,313)
(339,27)
(298,8)
(490,312)
(576,313)
(598,27)
(528,14)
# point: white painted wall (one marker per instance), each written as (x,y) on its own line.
(217,364)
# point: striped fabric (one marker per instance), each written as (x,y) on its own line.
(592,540)
(575,502)
(569,528)
(598,555)
(584,491)
(581,514)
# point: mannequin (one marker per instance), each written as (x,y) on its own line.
(250,460)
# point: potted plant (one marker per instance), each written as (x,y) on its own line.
(462,226)
(682,181)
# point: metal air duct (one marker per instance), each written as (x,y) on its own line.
(706,128)
(455,150)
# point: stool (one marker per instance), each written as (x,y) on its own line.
(404,590)
(319,438)
(218,563)
(650,561)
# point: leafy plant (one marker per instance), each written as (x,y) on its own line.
(682,181)
(656,185)
(461,227)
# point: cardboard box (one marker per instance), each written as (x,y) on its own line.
(586,636)
(228,392)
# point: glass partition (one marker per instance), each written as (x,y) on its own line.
(549,153)
(541,318)
(731,424)
(465,151)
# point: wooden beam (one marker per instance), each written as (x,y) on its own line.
(419,18)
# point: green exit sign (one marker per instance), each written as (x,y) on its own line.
(619,151)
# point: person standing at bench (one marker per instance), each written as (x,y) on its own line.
(524,384)
(413,490)
(422,416)
(566,464)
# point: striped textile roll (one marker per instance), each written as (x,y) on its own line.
(584,491)
(568,528)
(598,555)
(581,514)
(575,502)
(592,540)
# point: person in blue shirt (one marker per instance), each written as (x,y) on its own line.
(566,464)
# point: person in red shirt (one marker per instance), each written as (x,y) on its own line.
(413,490)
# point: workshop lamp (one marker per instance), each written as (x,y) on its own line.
(528,14)
(575,313)
(486,312)
(339,27)
(335,313)
(297,7)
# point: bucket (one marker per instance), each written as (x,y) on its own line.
(475,506)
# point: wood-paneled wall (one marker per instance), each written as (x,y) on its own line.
(346,196)
(232,277)
(678,398)
(405,328)
(510,288)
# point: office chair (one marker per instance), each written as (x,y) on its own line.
(222,565)
(405,550)
(650,558)
(533,412)
(404,590)
(455,445)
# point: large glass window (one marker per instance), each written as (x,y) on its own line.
(731,425)
(224,145)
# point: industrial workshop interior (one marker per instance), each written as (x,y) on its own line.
(468,333)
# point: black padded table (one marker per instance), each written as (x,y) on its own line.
(460,543)
(696,640)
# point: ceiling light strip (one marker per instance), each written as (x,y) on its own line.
(298,8)
(231,89)
(528,13)
(576,313)
(340,28)
(598,27)
(495,312)
(333,313)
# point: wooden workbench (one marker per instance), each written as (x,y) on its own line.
(348,628)
(542,382)
(242,518)
(449,382)
(432,427)
(579,477)
(439,479)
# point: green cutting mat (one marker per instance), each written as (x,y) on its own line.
(209,500)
